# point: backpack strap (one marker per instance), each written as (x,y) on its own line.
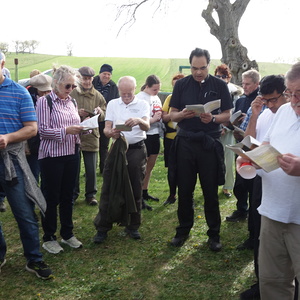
(50,104)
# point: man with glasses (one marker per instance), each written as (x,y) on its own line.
(262,112)
(199,151)
(279,248)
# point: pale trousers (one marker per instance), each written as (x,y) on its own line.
(279,259)
(228,139)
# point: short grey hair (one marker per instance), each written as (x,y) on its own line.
(253,74)
(293,73)
(61,73)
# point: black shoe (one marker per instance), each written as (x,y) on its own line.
(146,206)
(251,294)
(134,234)
(237,216)
(214,244)
(149,197)
(100,237)
(171,199)
(178,241)
(40,269)
(246,245)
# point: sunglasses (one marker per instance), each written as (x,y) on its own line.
(68,86)
(221,76)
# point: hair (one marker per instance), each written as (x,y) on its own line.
(177,76)
(294,72)
(34,72)
(60,74)
(127,78)
(198,52)
(253,74)
(270,84)
(150,81)
(224,70)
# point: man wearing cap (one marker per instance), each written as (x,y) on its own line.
(90,102)
(109,90)
(17,124)
(40,85)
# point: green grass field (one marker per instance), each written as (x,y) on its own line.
(140,68)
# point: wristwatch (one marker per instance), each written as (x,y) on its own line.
(213,119)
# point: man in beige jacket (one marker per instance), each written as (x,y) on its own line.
(90,102)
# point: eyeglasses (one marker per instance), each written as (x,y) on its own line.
(68,86)
(221,76)
(199,69)
(272,100)
(289,95)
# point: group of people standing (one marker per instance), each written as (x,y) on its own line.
(194,147)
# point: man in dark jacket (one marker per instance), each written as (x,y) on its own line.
(109,91)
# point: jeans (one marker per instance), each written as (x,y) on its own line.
(23,210)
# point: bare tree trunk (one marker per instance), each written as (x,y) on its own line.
(234,54)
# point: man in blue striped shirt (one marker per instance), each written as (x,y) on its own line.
(17,124)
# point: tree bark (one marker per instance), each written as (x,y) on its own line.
(234,54)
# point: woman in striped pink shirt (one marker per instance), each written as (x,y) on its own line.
(58,125)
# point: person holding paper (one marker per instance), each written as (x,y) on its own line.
(279,248)
(199,151)
(59,130)
(89,102)
(271,96)
(135,113)
(242,188)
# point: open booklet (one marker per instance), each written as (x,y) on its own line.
(204,108)
(265,156)
(90,123)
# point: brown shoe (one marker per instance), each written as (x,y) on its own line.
(91,201)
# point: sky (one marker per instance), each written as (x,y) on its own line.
(269,29)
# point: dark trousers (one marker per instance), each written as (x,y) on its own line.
(256,201)
(242,190)
(171,176)
(193,160)
(90,165)
(58,177)
(103,148)
(136,159)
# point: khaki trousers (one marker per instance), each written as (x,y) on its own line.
(279,259)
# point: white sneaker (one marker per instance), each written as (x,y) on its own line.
(53,247)
(72,242)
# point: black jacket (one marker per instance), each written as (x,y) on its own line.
(113,91)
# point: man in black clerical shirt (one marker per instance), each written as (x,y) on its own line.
(198,149)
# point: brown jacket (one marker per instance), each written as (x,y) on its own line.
(90,100)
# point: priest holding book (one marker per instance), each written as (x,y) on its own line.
(198,149)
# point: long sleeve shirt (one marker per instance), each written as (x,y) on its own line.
(52,125)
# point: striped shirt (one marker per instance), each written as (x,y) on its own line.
(16,107)
(52,126)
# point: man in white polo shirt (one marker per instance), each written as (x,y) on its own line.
(134,113)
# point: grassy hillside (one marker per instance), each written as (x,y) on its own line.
(140,68)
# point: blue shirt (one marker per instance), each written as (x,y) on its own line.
(16,107)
